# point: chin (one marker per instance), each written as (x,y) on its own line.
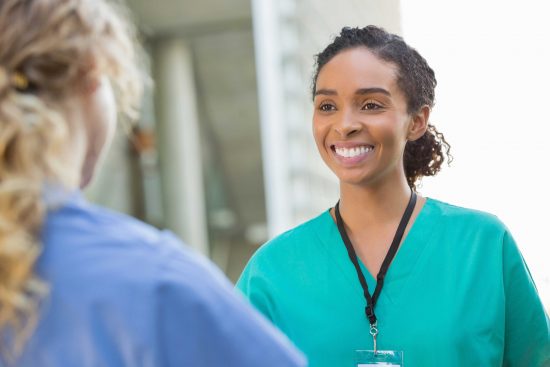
(353,177)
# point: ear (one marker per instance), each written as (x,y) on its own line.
(419,123)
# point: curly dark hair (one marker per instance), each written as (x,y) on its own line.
(425,156)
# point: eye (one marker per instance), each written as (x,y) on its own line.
(327,107)
(371,105)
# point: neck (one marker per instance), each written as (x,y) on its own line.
(373,205)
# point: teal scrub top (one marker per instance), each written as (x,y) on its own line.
(458,293)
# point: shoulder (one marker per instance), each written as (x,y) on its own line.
(464,218)
(464,232)
(108,256)
(284,258)
(294,243)
(80,218)
(102,255)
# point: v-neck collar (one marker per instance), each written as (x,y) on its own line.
(401,267)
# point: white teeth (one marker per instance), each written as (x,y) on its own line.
(353,152)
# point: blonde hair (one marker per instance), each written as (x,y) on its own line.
(47,47)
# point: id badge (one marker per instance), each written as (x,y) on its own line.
(388,358)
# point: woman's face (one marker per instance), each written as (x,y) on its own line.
(360,122)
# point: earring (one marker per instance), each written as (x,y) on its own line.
(19,81)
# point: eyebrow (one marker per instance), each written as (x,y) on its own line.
(361,91)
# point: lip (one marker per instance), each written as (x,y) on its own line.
(351,161)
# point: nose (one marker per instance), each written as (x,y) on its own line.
(348,124)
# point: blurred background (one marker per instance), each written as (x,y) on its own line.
(224,156)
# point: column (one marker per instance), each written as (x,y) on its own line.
(179,143)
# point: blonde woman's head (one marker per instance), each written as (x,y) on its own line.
(67,68)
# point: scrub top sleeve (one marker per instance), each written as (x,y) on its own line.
(202,321)
(253,286)
(527,325)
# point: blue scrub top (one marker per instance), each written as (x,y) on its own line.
(125,294)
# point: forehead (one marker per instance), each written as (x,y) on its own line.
(357,68)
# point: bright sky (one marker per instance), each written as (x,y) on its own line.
(492,62)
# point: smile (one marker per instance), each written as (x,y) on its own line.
(353,152)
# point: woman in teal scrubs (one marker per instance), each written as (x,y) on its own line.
(389,276)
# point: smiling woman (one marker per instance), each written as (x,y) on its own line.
(425,155)
(361,126)
(432,283)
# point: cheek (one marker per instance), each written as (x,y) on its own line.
(319,137)
(320,130)
(105,115)
(392,132)
(110,111)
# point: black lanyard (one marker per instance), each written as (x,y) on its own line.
(371,301)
